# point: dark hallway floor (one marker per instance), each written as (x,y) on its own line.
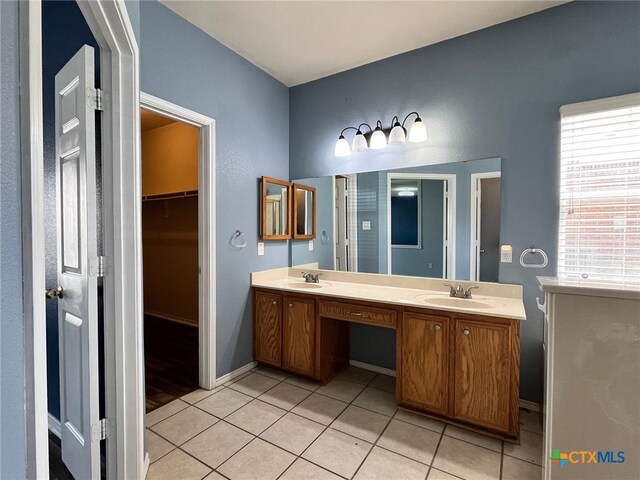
(171,360)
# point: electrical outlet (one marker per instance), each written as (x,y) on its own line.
(366,225)
(260,248)
(430,265)
(311,245)
(506,254)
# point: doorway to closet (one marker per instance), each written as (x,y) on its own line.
(170,257)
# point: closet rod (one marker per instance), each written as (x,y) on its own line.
(170,196)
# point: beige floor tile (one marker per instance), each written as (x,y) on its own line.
(361,423)
(214,476)
(293,433)
(200,394)
(530,448)
(466,460)
(384,382)
(338,452)
(384,465)
(257,461)
(285,395)
(184,425)
(177,464)
(217,444)
(272,372)
(301,469)
(357,375)
(224,402)
(164,411)
(473,437)
(514,469)
(342,390)
(303,383)
(254,384)
(157,446)
(255,417)
(531,421)
(438,475)
(239,377)
(409,440)
(420,420)
(377,400)
(320,409)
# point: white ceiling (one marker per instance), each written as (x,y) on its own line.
(300,41)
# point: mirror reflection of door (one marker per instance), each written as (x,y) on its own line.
(346,228)
(489,229)
(418,227)
(487,226)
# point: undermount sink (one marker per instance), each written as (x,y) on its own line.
(303,284)
(454,302)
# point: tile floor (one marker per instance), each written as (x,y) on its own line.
(267,425)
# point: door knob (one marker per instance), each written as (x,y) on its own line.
(54,292)
(482,250)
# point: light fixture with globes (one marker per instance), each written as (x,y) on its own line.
(380,137)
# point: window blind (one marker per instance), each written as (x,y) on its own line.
(599,234)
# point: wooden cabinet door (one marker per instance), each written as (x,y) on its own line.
(482,373)
(299,335)
(424,357)
(267,328)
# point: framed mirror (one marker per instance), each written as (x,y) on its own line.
(304,211)
(276,209)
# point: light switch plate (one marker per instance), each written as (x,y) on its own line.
(366,225)
(260,248)
(506,254)
(311,245)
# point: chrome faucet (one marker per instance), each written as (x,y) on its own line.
(311,278)
(459,291)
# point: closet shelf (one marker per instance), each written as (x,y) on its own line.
(170,196)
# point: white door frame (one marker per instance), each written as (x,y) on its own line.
(449,230)
(124,367)
(206,229)
(474,236)
(352,221)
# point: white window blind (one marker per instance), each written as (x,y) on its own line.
(599,235)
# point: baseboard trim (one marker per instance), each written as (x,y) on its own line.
(54,426)
(171,318)
(531,406)
(372,368)
(237,372)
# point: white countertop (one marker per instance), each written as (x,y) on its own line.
(490,299)
(589,287)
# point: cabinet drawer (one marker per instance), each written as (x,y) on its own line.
(383,317)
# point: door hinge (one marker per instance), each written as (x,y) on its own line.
(100,430)
(97,266)
(96,99)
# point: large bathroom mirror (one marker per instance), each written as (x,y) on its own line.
(304,211)
(440,221)
(276,209)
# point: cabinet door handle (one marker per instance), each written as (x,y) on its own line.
(356,314)
(466,332)
(275,302)
(437,328)
(290,305)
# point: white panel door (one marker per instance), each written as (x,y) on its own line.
(77,261)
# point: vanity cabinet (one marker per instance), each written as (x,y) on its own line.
(423,359)
(298,340)
(485,369)
(267,328)
(284,331)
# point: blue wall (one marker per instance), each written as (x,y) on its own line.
(64,32)
(181,64)
(12,419)
(491,93)
(322,252)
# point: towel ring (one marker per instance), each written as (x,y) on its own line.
(534,250)
(238,240)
